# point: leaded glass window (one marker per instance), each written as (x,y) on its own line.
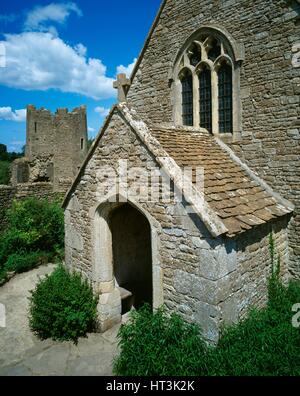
(205,99)
(225,98)
(206,76)
(187,99)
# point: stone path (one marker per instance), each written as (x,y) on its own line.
(22,353)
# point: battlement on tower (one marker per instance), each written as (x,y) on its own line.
(46,121)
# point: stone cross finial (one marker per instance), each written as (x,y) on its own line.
(122,85)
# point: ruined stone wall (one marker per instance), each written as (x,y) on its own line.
(56,144)
(39,190)
(194,269)
(269,86)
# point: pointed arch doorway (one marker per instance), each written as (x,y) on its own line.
(132,256)
(125,256)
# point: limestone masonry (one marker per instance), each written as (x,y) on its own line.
(216,88)
(269,87)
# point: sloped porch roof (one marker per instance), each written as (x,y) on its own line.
(234,200)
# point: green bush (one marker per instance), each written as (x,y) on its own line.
(20,263)
(264,344)
(156,344)
(17,263)
(34,226)
(40,223)
(4,172)
(62,307)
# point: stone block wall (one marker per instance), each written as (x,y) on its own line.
(194,274)
(246,286)
(269,85)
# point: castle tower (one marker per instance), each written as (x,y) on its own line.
(56,145)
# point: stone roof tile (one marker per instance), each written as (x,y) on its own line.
(240,201)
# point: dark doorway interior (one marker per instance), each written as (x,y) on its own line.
(132,256)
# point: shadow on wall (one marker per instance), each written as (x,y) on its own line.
(132,253)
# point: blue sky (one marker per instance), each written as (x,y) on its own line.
(66,54)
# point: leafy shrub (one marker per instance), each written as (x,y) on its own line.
(4,172)
(11,241)
(265,343)
(156,344)
(62,307)
(17,263)
(20,263)
(35,226)
(39,222)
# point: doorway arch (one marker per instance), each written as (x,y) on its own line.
(111,219)
(132,255)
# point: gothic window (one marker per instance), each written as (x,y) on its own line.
(205,99)
(207,74)
(187,98)
(194,55)
(214,50)
(225,98)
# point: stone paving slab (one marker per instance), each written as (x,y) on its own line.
(23,354)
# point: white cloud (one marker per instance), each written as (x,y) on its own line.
(40,61)
(102,111)
(6,113)
(80,49)
(127,69)
(40,17)
(90,129)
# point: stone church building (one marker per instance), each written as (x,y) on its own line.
(215,90)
